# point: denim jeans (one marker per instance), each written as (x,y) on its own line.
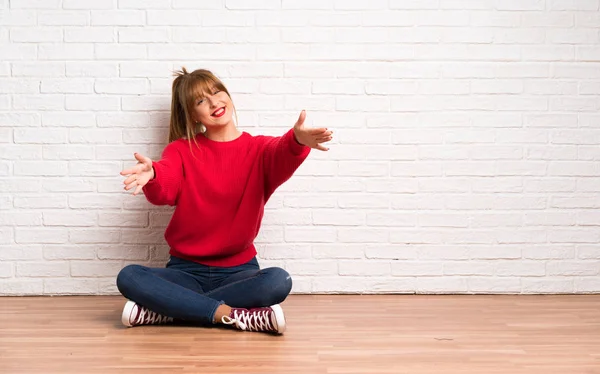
(192,292)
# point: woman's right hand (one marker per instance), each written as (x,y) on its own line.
(138,175)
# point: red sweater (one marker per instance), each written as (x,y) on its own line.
(220,192)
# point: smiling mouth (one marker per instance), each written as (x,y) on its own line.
(219,112)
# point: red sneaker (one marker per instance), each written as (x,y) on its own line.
(135,315)
(269,319)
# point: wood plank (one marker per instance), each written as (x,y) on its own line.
(554,334)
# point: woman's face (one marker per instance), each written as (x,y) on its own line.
(213,109)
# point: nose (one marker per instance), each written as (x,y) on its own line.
(212,101)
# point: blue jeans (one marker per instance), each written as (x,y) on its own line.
(192,292)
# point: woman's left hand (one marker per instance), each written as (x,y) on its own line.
(312,137)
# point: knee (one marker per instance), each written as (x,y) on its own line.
(282,284)
(126,277)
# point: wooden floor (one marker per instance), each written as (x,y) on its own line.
(326,334)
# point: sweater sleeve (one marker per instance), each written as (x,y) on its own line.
(168,175)
(282,156)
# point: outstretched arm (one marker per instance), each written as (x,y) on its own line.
(284,154)
(160,180)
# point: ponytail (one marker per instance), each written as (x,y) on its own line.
(178,126)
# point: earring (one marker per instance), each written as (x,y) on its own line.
(202,127)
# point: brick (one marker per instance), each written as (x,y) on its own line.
(94,235)
(71,51)
(285,251)
(68,286)
(574,168)
(67,152)
(288,217)
(42,269)
(90,35)
(307,4)
(70,218)
(587,285)
(95,269)
(36,35)
(19,119)
(129,252)
(39,102)
(550,219)
(364,268)
(554,120)
(94,201)
(118,18)
(121,86)
(20,218)
(21,152)
(588,252)
(63,184)
(406,236)
(143,236)
(66,86)
(558,285)
(92,69)
(144,35)
(40,236)
(363,235)
(152,4)
(18,17)
(573,268)
(338,284)
(311,234)
(40,202)
(334,251)
(35,168)
(19,86)
(123,219)
(574,235)
(494,285)
(333,217)
(173,18)
(137,103)
(491,252)
(64,17)
(19,252)
(69,252)
(160,219)
(442,285)
(552,152)
(312,268)
(7,235)
(95,136)
(544,252)
(121,52)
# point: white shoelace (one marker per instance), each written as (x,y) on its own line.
(148,317)
(255,321)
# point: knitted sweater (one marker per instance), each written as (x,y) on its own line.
(219,190)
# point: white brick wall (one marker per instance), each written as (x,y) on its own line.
(466,158)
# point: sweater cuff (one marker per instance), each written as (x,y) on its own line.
(157,171)
(296,148)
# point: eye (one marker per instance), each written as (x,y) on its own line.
(216,92)
(200,101)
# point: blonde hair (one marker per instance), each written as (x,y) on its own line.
(187,88)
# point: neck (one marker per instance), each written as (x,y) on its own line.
(222,134)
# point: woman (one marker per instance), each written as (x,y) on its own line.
(219,179)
